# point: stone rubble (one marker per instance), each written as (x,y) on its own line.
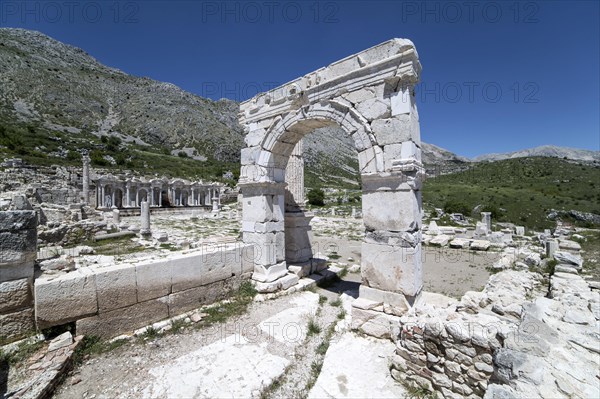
(509,336)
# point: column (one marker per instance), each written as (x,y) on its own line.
(160,197)
(263,226)
(298,233)
(102,199)
(294,177)
(112,198)
(486,217)
(145,218)
(127,202)
(86,179)
(137,197)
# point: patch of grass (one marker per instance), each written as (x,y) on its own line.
(322,348)
(343,273)
(312,328)
(22,353)
(236,306)
(94,345)
(322,299)
(150,333)
(168,246)
(336,303)
(177,326)
(341,315)
(334,255)
(419,392)
(550,266)
(315,370)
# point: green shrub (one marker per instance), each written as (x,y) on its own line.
(457,207)
(316,197)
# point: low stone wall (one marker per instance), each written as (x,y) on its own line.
(112,300)
(18,238)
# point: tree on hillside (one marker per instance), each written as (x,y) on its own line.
(316,197)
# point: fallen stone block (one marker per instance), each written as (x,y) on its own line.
(63,340)
(460,243)
(479,245)
(565,268)
(439,240)
(568,258)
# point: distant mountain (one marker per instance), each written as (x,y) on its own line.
(432,154)
(544,151)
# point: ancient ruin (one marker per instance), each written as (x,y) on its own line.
(370,95)
(122,192)
(160,287)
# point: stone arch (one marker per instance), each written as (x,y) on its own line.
(371,96)
(281,138)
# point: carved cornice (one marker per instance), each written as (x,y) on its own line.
(394,60)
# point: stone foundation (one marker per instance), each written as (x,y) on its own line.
(109,301)
(18,243)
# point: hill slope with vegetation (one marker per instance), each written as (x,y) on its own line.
(523,190)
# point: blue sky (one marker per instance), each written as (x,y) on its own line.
(497,75)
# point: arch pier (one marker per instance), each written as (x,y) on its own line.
(371,96)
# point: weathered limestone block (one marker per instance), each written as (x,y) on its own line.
(392,210)
(153,279)
(217,265)
(18,244)
(392,268)
(269,274)
(396,130)
(16,325)
(187,271)
(247,259)
(64,299)
(193,298)
(265,251)
(393,303)
(116,287)
(374,323)
(15,294)
(374,108)
(371,160)
(116,322)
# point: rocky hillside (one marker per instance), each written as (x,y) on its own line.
(62,88)
(574,154)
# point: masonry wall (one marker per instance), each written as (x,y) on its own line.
(18,239)
(117,299)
